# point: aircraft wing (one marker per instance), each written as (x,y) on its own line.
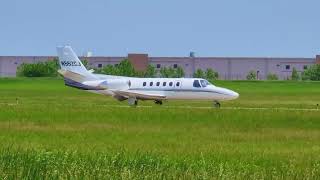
(139,95)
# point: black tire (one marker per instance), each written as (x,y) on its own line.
(217,105)
(158,102)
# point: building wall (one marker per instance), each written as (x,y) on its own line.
(236,68)
(318,59)
(139,61)
(96,62)
(228,68)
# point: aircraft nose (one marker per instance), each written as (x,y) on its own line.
(227,93)
(234,95)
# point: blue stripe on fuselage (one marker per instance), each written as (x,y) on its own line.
(177,90)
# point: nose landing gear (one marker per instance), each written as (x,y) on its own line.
(216,104)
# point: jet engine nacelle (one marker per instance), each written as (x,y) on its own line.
(115,84)
(109,84)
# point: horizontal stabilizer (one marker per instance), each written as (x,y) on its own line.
(97,83)
(72,75)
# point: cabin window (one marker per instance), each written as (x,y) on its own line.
(178,84)
(158,66)
(196,83)
(305,67)
(175,66)
(158,83)
(287,67)
(144,83)
(164,83)
(99,65)
(171,83)
(151,83)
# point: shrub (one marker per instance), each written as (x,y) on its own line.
(199,74)
(40,69)
(252,75)
(312,73)
(211,74)
(271,76)
(125,68)
(295,75)
(150,72)
(109,69)
(179,72)
(171,72)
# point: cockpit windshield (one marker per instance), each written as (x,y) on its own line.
(200,83)
(204,83)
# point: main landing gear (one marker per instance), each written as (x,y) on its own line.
(158,102)
(216,104)
(132,101)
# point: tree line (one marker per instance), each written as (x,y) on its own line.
(125,68)
(312,74)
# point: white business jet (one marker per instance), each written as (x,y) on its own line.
(134,89)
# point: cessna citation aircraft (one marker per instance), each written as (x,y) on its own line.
(134,89)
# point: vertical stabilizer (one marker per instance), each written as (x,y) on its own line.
(69,61)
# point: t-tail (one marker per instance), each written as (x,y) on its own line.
(72,69)
(71,66)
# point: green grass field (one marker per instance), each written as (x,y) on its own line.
(54,131)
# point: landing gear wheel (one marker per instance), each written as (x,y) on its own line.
(158,102)
(132,102)
(216,104)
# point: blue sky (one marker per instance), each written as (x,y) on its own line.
(282,28)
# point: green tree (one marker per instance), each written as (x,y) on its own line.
(41,69)
(271,76)
(140,74)
(252,75)
(171,72)
(295,75)
(110,70)
(179,72)
(167,72)
(199,74)
(85,62)
(312,73)
(125,68)
(211,74)
(150,72)
(163,72)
